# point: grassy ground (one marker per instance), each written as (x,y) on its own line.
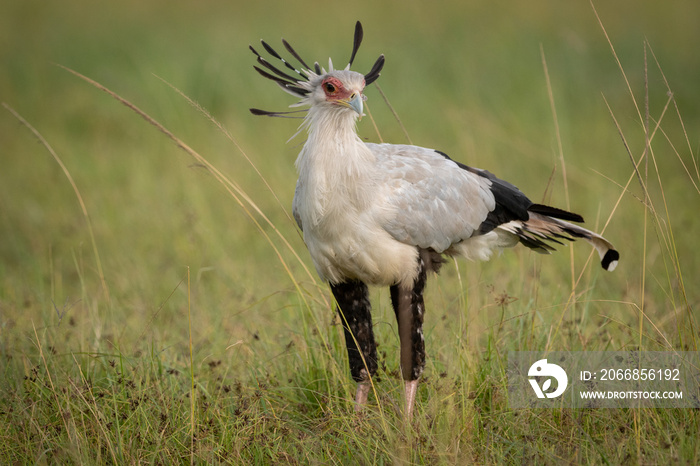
(162,309)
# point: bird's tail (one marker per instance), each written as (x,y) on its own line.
(550,224)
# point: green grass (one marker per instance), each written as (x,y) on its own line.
(176,318)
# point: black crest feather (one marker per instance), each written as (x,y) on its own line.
(291,83)
(270,50)
(359,34)
(295,54)
(375,71)
(269,66)
(289,86)
(258,112)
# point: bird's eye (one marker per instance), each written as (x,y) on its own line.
(330,88)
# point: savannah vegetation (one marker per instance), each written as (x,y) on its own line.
(158,306)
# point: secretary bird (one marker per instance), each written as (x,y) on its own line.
(385,214)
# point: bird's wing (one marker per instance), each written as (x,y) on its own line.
(295,206)
(435,202)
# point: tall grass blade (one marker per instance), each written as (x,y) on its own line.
(83,208)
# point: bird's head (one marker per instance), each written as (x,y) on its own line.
(340,90)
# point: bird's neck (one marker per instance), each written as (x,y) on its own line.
(333,149)
(335,164)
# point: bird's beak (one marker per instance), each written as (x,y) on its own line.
(355,102)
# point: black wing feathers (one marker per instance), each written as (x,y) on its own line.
(555,212)
(512,204)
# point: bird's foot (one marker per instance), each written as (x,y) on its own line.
(361,396)
(411,389)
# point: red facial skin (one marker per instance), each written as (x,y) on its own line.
(335,90)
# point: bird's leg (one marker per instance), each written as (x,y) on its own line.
(361,395)
(409,308)
(411,387)
(355,314)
